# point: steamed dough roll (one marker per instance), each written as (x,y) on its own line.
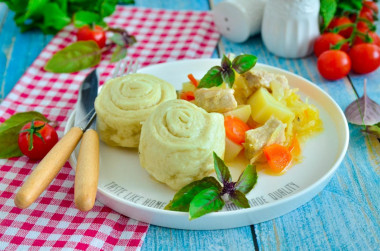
(125,102)
(177,142)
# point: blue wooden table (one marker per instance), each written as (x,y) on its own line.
(344,216)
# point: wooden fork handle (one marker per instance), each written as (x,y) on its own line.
(47,169)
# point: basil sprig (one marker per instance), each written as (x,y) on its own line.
(226,72)
(207,195)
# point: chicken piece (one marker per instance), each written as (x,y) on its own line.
(273,131)
(251,81)
(215,99)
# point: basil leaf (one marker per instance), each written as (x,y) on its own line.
(75,57)
(181,200)
(117,38)
(205,202)
(82,18)
(35,8)
(212,78)
(226,63)
(247,180)
(244,63)
(222,172)
(327,12)
(119,53)
(228,76)
(239,199)
(9,131)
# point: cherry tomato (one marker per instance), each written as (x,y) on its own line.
(334,64)
(371,5)
(373,35)
(325,41)
(97,34)
(365,58)
(36,138)
(340,21)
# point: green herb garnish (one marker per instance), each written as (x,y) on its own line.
(226,72)
(206,195)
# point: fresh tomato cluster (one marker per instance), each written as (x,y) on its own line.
(349,43)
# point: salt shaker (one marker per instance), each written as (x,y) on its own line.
(237,20)
(289,28)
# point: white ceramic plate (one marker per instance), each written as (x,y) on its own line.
(128,189)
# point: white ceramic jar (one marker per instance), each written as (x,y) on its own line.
(237,20)
(290,27)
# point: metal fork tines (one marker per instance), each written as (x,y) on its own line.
(125,67)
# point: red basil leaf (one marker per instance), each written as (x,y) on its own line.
(222,172)
(181,200)
(226,63)
(212,78)
(75,57)
(205,202)
(247,180)
(228,76)
(363,111)
(239,199)
(244,63)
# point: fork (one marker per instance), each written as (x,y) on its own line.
(127,67)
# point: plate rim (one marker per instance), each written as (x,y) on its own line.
(317,186)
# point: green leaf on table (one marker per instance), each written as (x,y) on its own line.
(247,180)
(213,77)
(181,200)
(119,53)
(244,63)
(206,201)
(221,170)
(239,199)
(327,12)
(117,38)
(75,57)
(82,18)
(9,131)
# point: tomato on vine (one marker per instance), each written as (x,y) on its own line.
(345,25)
(334,64)
(36,138)
(325,41)
(365,58)
(97,34)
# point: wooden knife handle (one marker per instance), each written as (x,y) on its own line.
(87,171)
(47,169)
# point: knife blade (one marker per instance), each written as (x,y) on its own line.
(53,162)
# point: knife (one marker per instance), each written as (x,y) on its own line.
(88,158)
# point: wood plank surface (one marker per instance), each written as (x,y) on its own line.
(344,216)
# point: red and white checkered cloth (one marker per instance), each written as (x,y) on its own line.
(53,221)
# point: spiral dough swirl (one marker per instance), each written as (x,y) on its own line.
(125,102)
(177,142)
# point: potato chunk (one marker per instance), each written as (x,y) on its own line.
(243,112)
(264,105)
